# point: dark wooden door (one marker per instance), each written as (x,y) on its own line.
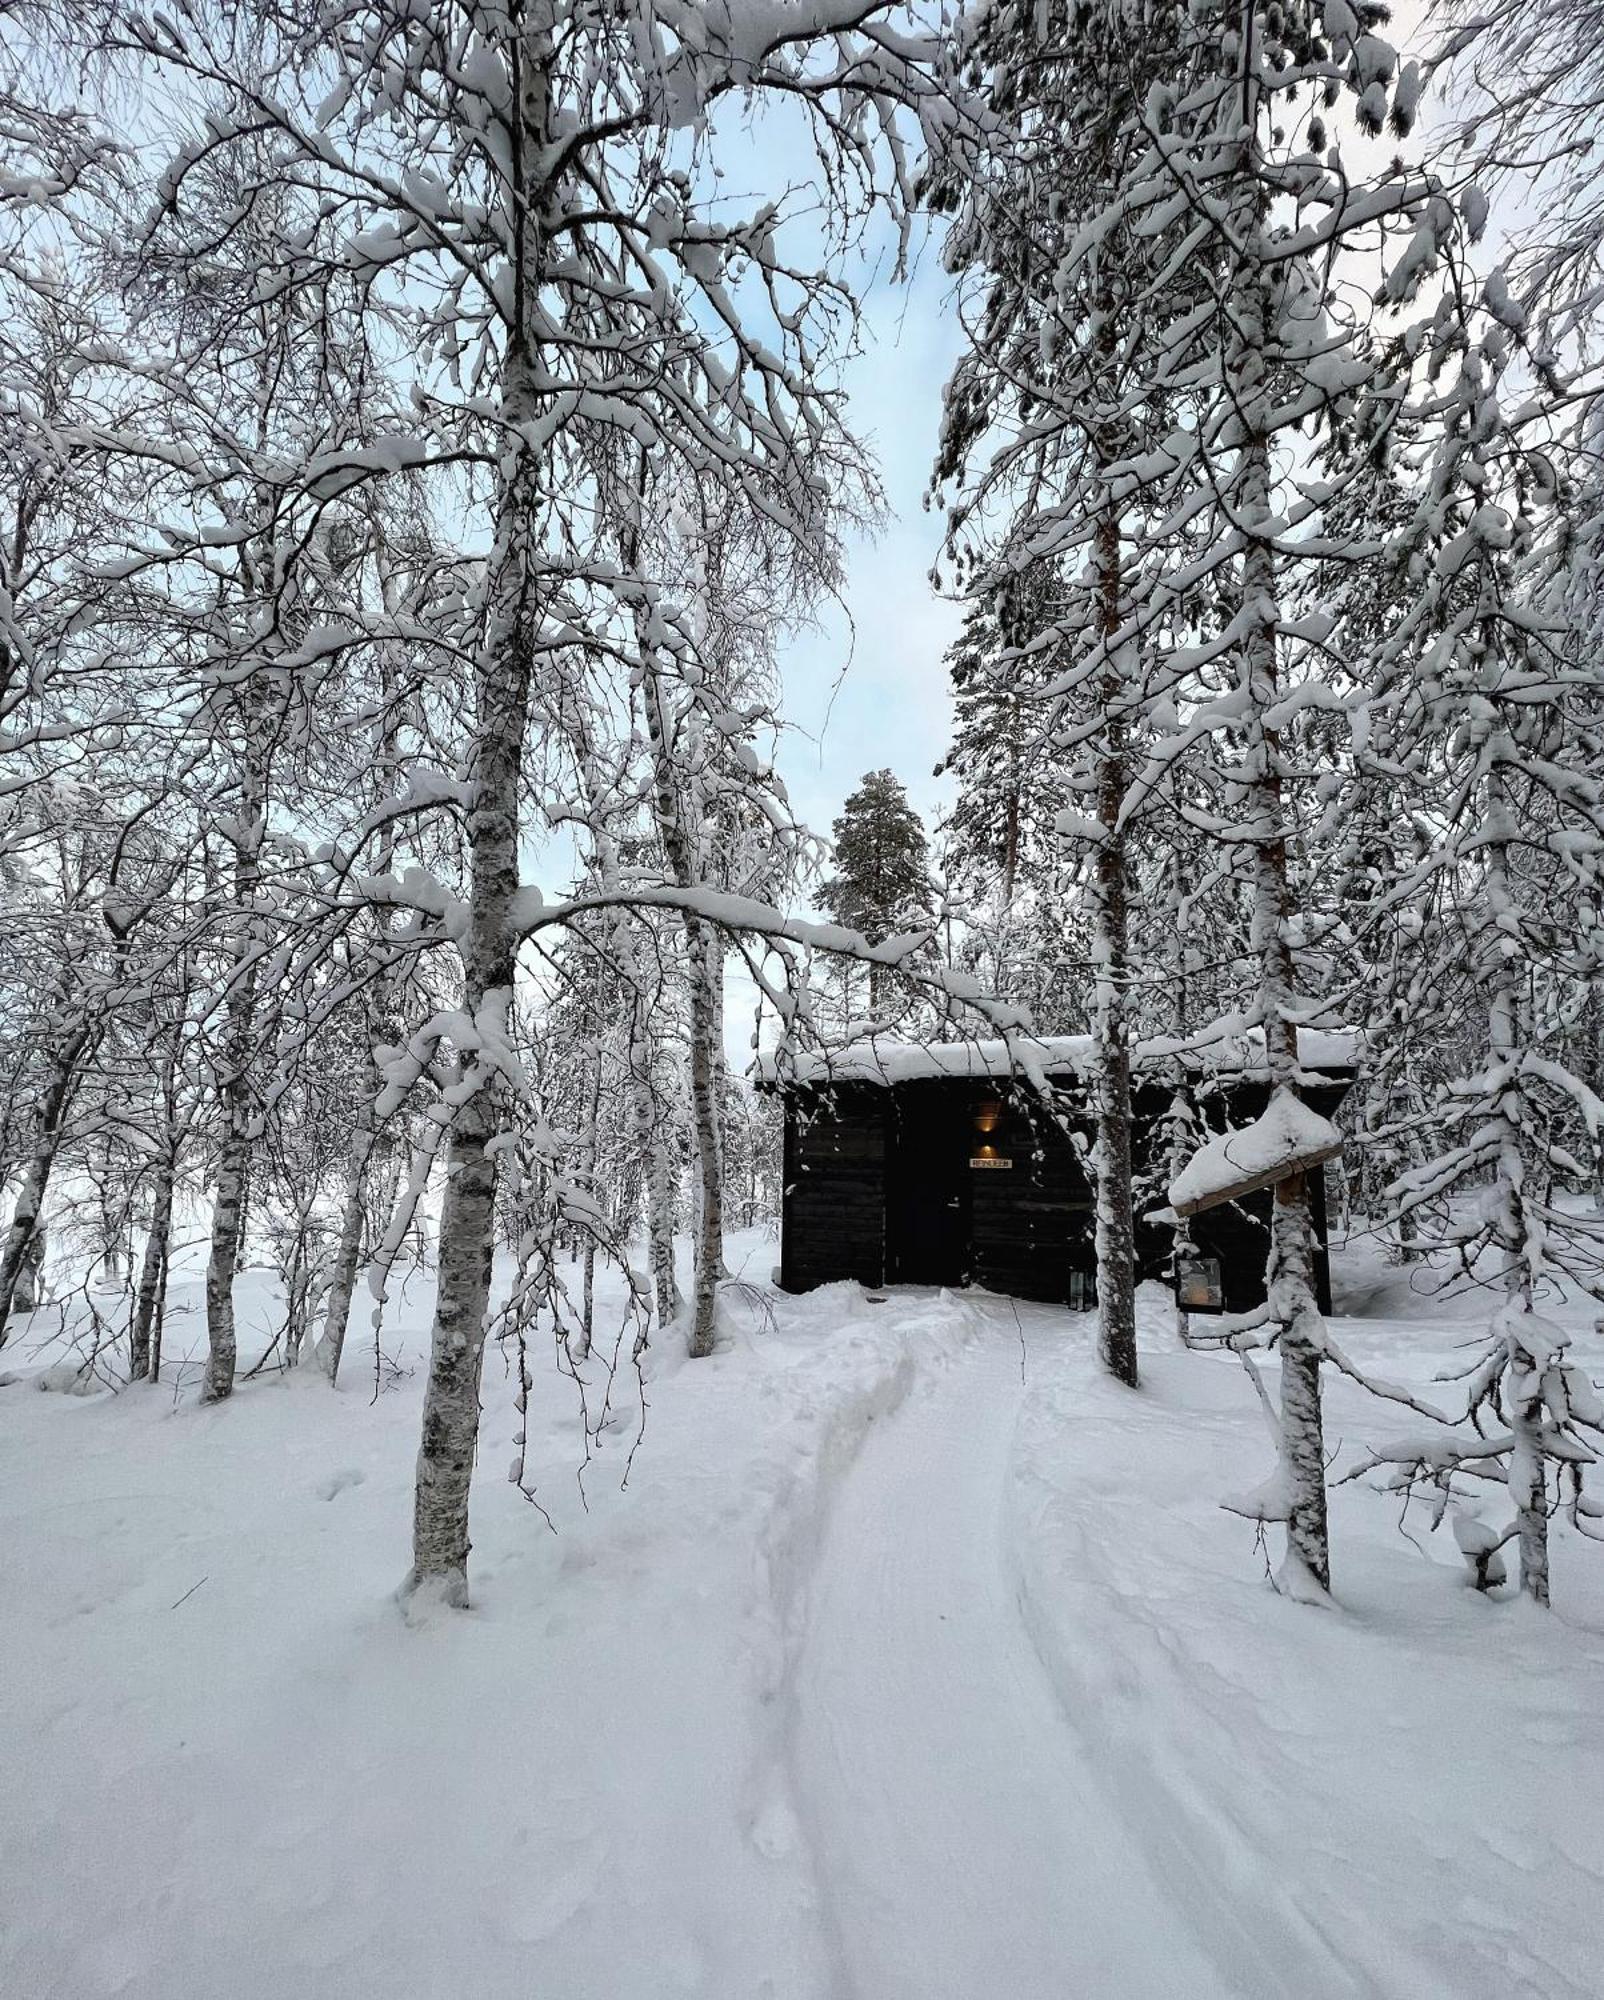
(927,1188)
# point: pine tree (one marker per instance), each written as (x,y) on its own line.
(881,886)
(999,835)
(1000,852)
(1498,711)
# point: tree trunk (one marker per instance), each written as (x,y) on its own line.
(446,1451)
(587,1322)
(234,1080)
(1527,1474)
(29,1295)
(222,1262)
(142,1349)
(1290,1273)
(25,1216)
(709,1260)
(1523,1369)
(347,1256)
(1116,1222)
(579,1347)
(706,1015)
(1595,1025)
(161,1310)
(660,1215)
(440,1541)
(1181,1122)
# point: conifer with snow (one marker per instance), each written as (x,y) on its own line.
(881,884)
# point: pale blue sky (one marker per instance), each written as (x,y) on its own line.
(869,686)
(885,646)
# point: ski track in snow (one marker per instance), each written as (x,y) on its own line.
(962,1843)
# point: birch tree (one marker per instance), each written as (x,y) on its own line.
(539,177)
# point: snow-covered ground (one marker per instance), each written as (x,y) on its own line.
(914,1659)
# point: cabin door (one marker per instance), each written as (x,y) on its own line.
(927,1189)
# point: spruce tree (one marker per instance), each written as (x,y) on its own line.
(881,886)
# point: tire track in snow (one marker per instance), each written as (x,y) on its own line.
(961,1844)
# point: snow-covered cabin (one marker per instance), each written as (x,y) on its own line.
(957,1163)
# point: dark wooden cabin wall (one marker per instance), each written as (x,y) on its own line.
(833,1224)
(1028,1227)
(1030,1224)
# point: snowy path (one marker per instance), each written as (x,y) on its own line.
(962,1844)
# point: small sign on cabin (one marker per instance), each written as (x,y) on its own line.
(991,1160)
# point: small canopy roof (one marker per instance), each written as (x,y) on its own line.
(886,1059)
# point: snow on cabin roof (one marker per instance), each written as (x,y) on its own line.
(886,1059)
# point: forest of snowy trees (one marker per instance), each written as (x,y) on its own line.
(419,448)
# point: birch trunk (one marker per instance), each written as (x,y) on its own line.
(587,1310)
(234,1085)
(1290,1276)
(706,1019)
(1290,1273)
(153,1266)
(29,1295)
(222,1262)
(1595,1022)
(709,1259)
(330,1347)
(1182,1123)
(1523,1368)
(25,1215)
(440,1541)
(348,1253)
(1116,1221)
(660,1209)
(579,1347)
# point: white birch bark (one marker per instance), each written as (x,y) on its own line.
(1514,1323)
(661,1181)
(440,1542)
(706,964)
(330,1348)
(142,1355)
(1291,1262)
(143,1351)
(1181,1123)
(467,1215)
(1290,1274)
(233,1084)
(705,958)
(342,1282)
(26,1214)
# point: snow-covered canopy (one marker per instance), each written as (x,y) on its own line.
(887,1059)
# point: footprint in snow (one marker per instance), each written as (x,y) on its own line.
(337,1482)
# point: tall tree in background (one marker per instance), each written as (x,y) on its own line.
(881,884)
(1069,297)
(1000,848)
